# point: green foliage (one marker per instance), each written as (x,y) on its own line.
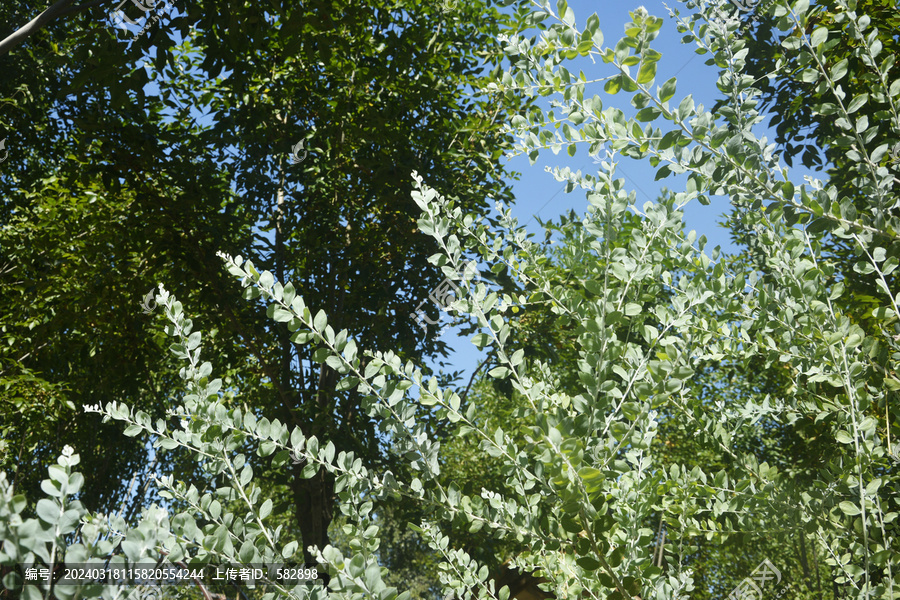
(697,376)
(70,315)
(115,183)
(856,41)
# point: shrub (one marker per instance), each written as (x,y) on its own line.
(650,312)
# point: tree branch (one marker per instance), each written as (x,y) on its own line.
(59,9)
(474,373)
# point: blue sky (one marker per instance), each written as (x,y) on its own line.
(539,194)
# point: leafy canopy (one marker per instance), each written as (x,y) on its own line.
(587,480)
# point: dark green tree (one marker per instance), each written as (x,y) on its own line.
(286,133)
(802,112)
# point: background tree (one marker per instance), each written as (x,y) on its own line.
(184,137)
(586,488)
(796,62)
(804,114)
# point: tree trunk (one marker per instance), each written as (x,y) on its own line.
(314,502)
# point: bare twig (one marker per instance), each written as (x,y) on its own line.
(465,394)
(59,9)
